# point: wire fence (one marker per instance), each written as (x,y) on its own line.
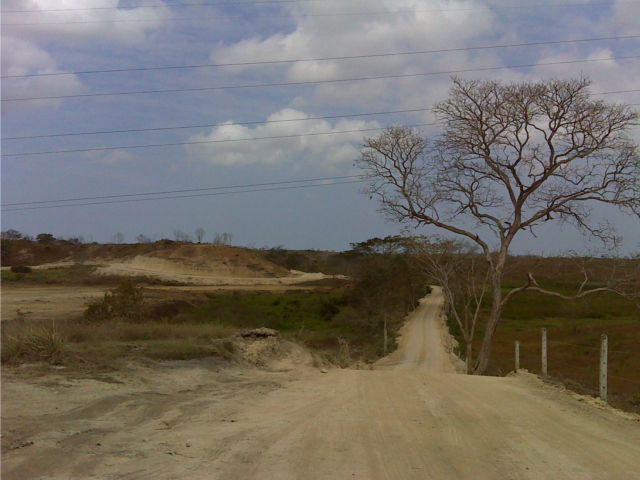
(593,368)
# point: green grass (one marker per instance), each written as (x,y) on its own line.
(320,320)
(578,323)
(51,276)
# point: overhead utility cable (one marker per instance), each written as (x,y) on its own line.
(262,2)
(184,196)
(318,82)
(319,59)
(307,15)
(232,140)
(244,124)
(165,5)
(167,192)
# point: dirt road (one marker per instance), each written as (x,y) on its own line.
(409,418)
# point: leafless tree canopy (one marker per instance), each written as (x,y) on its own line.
(200,233)
(181,236)
(455,264)
(222,239)
(510,158)
(118,238)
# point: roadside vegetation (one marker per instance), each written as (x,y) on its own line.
(342,321)
(573,329)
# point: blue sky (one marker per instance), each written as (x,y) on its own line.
(327,217)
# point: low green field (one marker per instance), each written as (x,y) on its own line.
(573,331)
(322,321)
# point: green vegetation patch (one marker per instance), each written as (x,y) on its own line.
(574,330)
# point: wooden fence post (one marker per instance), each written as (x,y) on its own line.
(517,356)
(604,353)
(544,352)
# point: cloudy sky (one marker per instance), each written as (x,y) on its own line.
(230,108)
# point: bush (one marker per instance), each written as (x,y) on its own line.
(21,269)
(125,304)
(40,343)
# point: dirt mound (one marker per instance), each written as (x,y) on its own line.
(219,261)
(265,348)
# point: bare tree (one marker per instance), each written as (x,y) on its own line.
(227,238)
(222,239)
(200,233)
(463,275)
(510,158)
(180,236)
(118,238)
(143,239)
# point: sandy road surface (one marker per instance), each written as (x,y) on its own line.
(407,419)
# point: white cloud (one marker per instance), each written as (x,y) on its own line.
(110,157)
(310,142)
(21,57)
(115,25)
(335,36)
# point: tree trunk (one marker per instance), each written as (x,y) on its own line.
(492,324)
(385,335)
(469,357)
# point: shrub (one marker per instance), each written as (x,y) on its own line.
(40,343)
(125,303)
(21,269)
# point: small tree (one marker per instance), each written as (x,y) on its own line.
(386,284)
(118,238)
(227,238)
(511,158)
(143,239)
(222,239)
(11,235)
(45,238)
(458,268)
(124,303)
(200,233)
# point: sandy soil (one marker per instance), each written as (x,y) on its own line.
(169,273)
(47,302)
(410,417)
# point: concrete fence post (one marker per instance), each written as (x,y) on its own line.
(604,353)
(544,352)
(517,355)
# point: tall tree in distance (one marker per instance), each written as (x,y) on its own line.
(511,157)
(200,233)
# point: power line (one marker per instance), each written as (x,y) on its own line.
(319,59)
(168,192)
(317,82)
(232,140)
(209,4)
(136,7)
(218,124)
(345,14)
(183,196)
(173,144)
